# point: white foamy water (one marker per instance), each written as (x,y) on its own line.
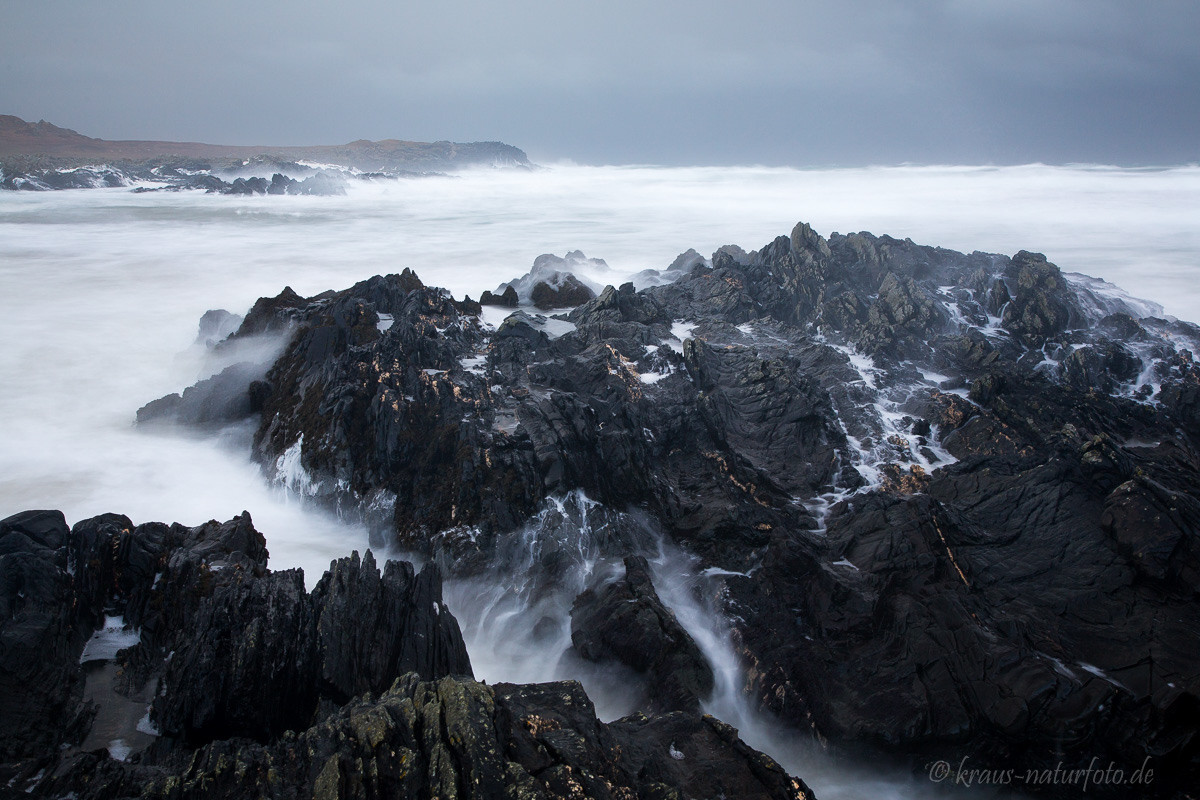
(101,291)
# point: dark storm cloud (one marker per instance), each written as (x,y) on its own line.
(669,82)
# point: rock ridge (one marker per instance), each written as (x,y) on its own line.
(954,495)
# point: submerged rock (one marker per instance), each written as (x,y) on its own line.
(215,325)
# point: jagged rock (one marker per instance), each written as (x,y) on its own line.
(458,738)
(964,484)
(1041,307)
(565,292)
(372,627)
(219,400)
(624,621)
(59,585)
(261,653)
(280,184)
(508,298)
(901,318)
(40,684)
(563,284)
(360,688)
(621,306)
(247,186)
(246,667)
(271,314)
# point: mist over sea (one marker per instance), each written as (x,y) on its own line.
(101,290)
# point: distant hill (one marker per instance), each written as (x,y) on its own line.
(62,146)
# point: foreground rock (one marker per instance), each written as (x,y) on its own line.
(40,685)
(954,496)
(360,688)
(454,738)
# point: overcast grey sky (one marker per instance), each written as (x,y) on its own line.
(622,81)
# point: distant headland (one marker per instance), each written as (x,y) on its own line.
(45,144)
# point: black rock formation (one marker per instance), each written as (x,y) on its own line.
(155,177)
(457,738)
(960,489)
(551,283)
(566,292)
(360,688)
(223,398)
(40,684)
(261,654)
(508,298)
(625,621)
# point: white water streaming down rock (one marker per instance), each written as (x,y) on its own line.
(516,616)
(110,638)
(516,619)
(290,472)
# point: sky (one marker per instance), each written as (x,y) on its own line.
(705,82)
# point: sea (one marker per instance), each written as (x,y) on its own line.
(101,291)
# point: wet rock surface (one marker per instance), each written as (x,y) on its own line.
(458,738)
(625,621)
(552,282)
(360,688)
(957,492)
(40,687)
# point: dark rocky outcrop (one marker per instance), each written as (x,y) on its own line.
(958,492)
(458,738)
(261,653)
(1039,308)
(566,292)
(625,621)
(221,399)
(59,586)
(153,177)
(553,282)
(508,298)
(360,688)
(40,685)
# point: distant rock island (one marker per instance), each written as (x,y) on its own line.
(42,156)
